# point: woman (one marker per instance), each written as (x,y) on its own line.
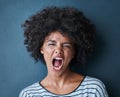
(61,38)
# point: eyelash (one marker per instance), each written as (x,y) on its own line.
(51,44)
(67,46)
(64,45)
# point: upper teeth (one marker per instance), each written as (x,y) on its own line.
(58,58)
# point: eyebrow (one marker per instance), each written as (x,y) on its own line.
(50,41)
(63,42)
(68,43)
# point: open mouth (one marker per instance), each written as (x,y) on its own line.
(57,63)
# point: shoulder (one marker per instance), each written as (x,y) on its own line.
(95,84)
(92,80)
(30,89)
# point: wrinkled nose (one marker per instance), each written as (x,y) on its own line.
(58,50)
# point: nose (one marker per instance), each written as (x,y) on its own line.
(58,50)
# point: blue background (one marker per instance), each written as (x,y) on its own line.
(17,68)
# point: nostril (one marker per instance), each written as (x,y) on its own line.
(58,52)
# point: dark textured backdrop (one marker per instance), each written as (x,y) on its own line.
(17,69)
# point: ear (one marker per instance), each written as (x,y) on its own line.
(41,50)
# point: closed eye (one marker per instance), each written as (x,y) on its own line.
(67,45)
(51,44)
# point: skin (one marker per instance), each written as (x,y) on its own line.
(62,80)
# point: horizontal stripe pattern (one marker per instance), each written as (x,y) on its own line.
(90,87)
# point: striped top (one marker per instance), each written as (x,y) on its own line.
(90,87)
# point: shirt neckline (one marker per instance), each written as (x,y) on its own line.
(63,94)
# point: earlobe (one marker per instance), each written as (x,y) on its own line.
(41,50)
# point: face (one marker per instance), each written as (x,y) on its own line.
(57,51)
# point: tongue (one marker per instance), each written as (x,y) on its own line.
(57,63)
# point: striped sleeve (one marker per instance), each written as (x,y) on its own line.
(98,85)
(29,91)
(101,90)
(22,94)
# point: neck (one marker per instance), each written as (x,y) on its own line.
(58,79)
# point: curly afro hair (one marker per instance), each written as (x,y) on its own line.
(67,20)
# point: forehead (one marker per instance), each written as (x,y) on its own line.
(58,36)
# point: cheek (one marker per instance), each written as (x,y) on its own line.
(47,54)
(46,58)
(69,55)
(46,50)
